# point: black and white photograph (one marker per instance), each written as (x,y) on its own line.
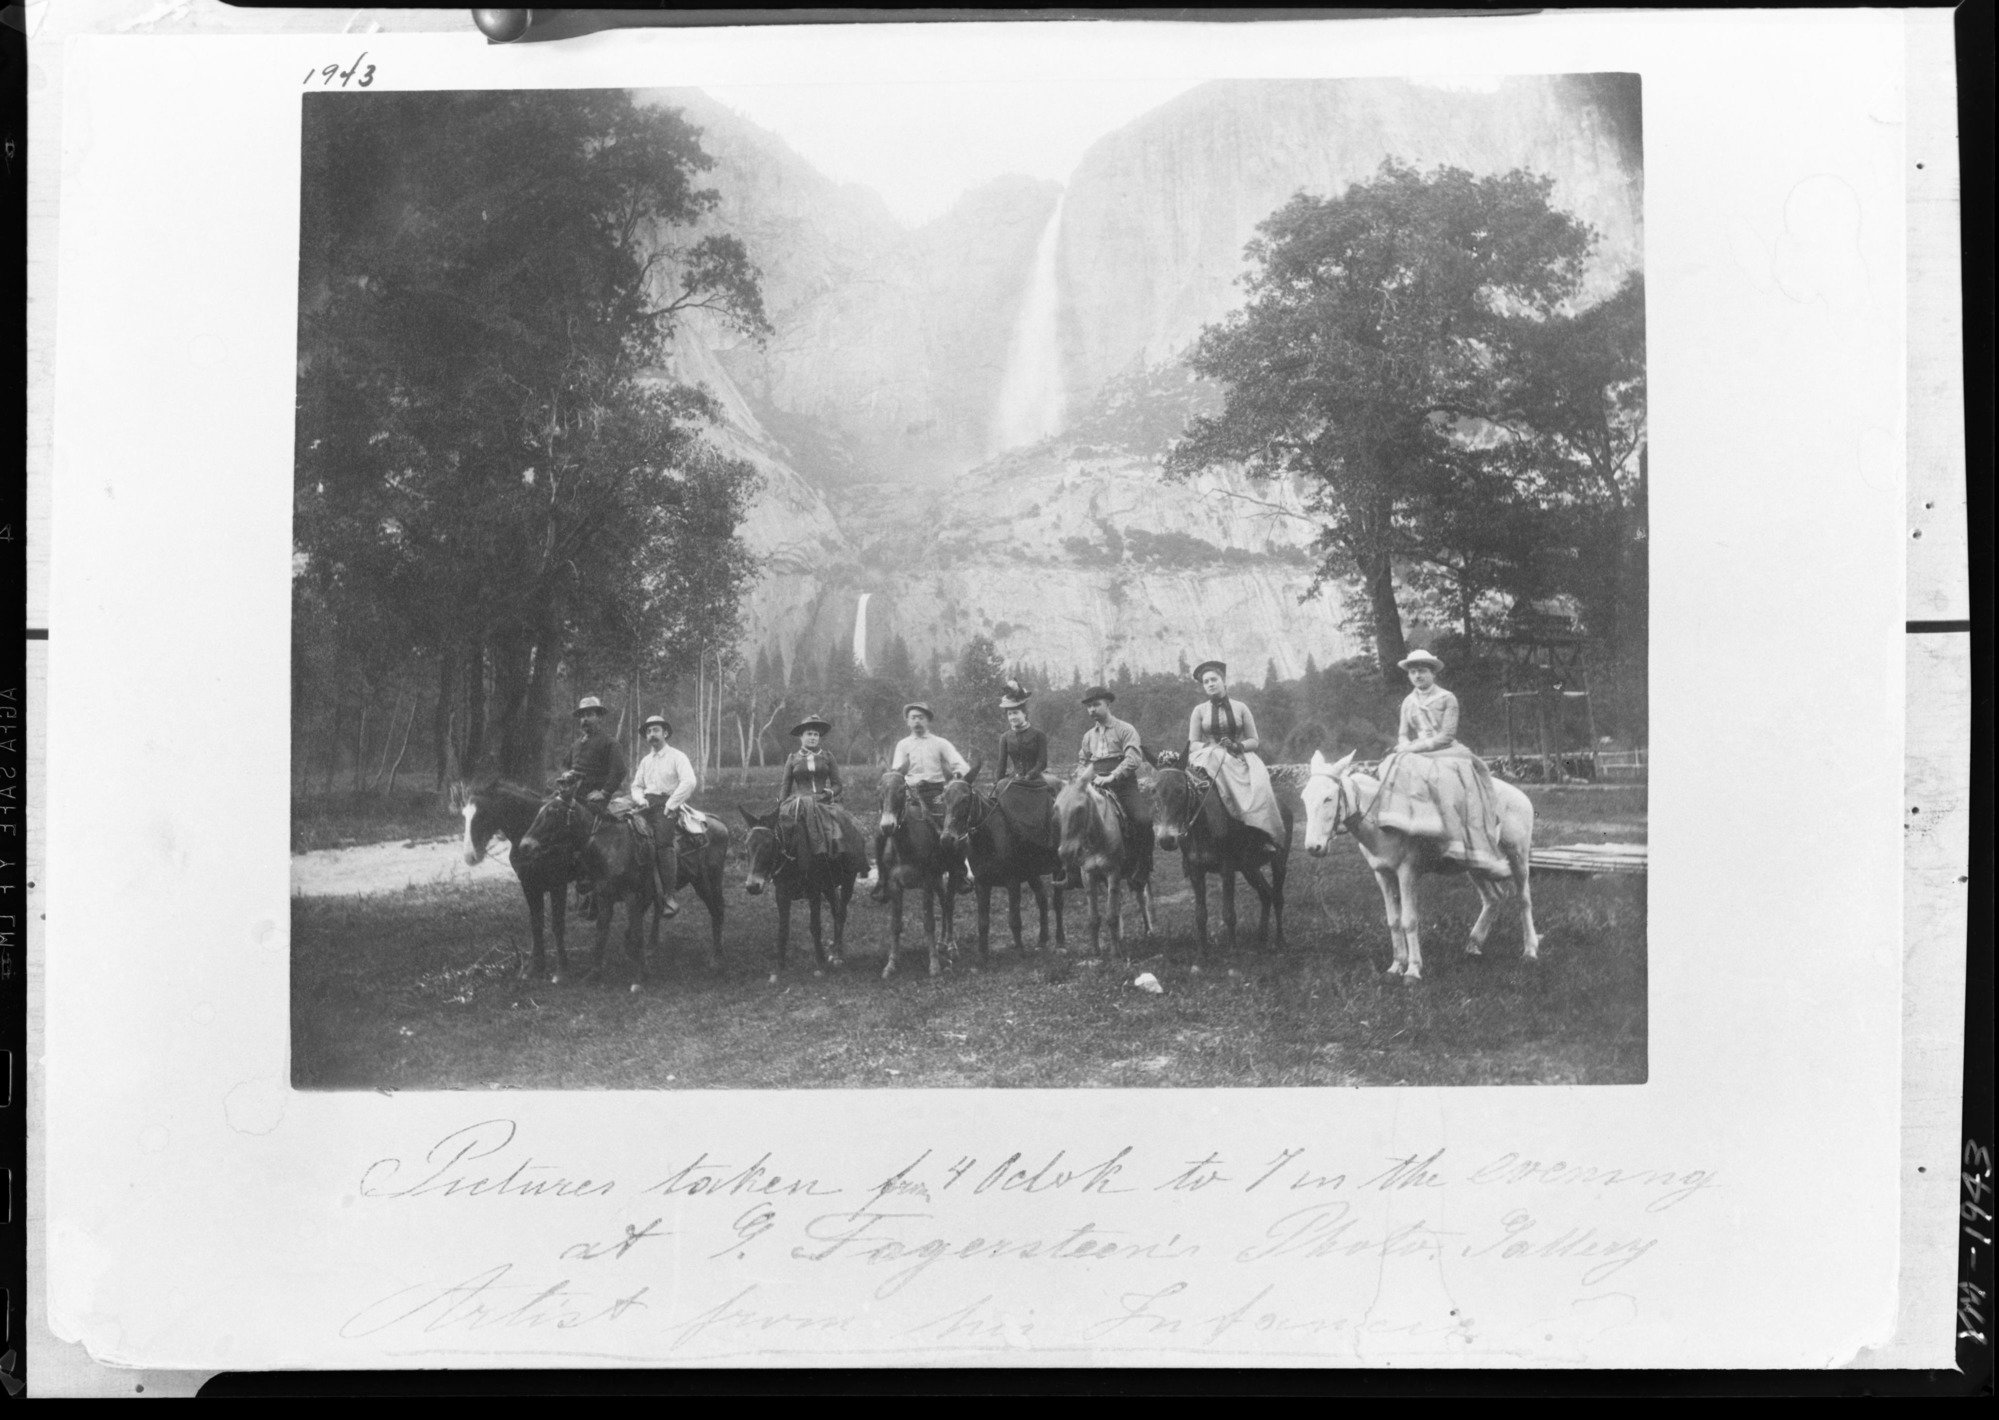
(978,586)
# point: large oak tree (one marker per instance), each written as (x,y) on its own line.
(489,458)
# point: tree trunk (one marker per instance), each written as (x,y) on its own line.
(361,747)
(403,749)
(525,746)
(475,710)
(1389,646)
(440,716)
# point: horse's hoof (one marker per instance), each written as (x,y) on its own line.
(773,978)
(888,971)
(835,963)
(1194,970)
(1394,969)
(1472,950)
(633,989)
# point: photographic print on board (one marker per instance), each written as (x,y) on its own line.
(1174,618)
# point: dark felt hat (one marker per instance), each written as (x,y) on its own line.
(1219,667)
(659,720)
(812,722)
(1098,692)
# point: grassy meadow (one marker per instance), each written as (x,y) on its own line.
(419,989)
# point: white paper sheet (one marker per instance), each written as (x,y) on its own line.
(1740,1208)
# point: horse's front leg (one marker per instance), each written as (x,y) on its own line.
(1200,883)
(1013,915)
(635,911)
(985,891)
(1530,940)
(1405,882)
(604,908)
(1228,905)
(1391,906)
(783,922)
(534,896)
(1488,908)
(558,913)
(934,891)
(818,941)
(1253,875)
(1116,885)
(1035,886)
(839,895)
(894,930)
(709,889)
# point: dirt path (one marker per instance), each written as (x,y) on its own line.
(391,867)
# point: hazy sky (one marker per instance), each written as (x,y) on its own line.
(922,145)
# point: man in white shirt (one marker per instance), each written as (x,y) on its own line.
(662,785)
(927,762)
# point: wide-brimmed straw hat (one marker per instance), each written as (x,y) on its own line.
(659,720)
(1419,658)
(1098,692)
(918,705)
(1016,696)
(1221,668)
(812,722)
(589,703)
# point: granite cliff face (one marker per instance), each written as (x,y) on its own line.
(905,362)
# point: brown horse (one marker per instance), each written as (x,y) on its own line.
(1095,851)
(618,863)
(508,809)
(978,826)
(786,860)
(914,857)
(1188,813)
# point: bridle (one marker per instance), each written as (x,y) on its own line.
(1203,789)
(987,807)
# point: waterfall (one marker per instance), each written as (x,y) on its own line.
(1030,397)
(861,631)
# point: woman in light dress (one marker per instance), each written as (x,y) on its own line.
(1433,786)
(1222,743)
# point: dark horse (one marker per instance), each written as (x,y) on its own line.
(914,857)
(1188,812)
(618,863)
(783,856)
(500,807)
(977,825)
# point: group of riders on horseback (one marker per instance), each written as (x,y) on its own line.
(1214,798)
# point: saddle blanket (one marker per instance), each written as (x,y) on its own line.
(1445,796)
(1029,806)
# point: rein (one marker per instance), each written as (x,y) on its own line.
(988,807)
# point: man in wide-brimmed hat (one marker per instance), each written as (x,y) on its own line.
(662,787)
(1222,743)
(927,762)
(597,760)
(1112,751)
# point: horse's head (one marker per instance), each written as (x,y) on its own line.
(481,823)
(1072,816)
(961,804)
(1329,801)
(1176,798)
(894,795)
(760,853)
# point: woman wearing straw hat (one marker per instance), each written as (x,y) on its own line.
(1432,785)
(1222,744)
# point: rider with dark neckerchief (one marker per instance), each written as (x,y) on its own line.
(598,764)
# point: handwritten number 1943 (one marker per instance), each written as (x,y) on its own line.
(327,74)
